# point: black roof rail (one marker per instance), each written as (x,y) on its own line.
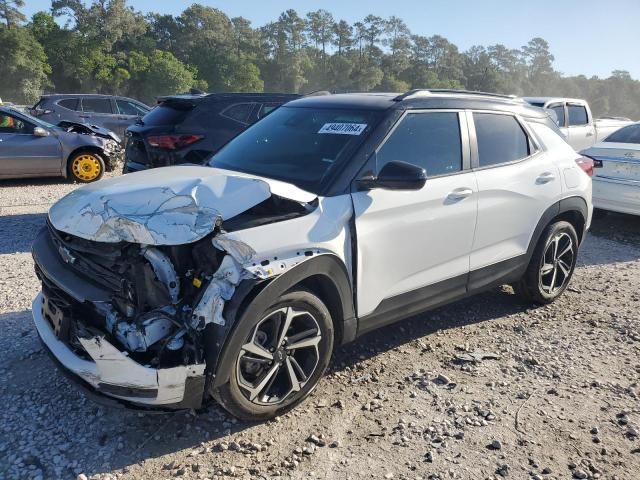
(427,91)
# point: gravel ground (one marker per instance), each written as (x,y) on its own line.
(485,388)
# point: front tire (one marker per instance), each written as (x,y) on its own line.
(278,358)
(86,167)
(551,266)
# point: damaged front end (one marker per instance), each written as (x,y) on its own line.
(129,308)
(111,143)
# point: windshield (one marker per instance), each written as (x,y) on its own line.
(302,146)
(38,122)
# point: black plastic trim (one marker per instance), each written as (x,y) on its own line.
(327,265)
(46,256)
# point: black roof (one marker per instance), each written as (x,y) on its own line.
(191,97)
(422,99)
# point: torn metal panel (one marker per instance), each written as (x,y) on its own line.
(164,206)
(323,230)
(164,270)
(220,289)
(240,251)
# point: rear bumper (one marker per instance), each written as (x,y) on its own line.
(617,195)
(112,374)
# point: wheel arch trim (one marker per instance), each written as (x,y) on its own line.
(564,206)
(254,296)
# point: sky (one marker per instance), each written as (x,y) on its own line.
(586,36)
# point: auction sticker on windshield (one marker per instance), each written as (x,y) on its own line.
(343,128)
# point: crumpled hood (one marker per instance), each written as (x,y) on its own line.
(163,206)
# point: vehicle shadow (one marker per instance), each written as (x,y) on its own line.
(616,226)
(488,305)
(134,438)
(17,232)
(613,238)
(32,181)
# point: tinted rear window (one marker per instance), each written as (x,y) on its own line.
(96,105)
(167,114)
(500,139)
(630,134)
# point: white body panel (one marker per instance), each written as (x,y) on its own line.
(163,206)
(411,239)
(325,230)
(511,201)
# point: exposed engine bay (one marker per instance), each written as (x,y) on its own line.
(162,297)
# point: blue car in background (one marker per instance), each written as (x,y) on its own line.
(30,147)
(109,111)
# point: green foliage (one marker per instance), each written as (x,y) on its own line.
(106,46)
(10,13)
(24,66)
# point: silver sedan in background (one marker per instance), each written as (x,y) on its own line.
(30,147)
(616,184)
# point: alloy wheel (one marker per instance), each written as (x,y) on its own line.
(279,356)
(557,264)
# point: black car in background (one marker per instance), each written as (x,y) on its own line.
(189,128)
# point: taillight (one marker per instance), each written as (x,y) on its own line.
(173,142)
(587,164)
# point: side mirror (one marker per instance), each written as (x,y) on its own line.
(396,175)
(40,132)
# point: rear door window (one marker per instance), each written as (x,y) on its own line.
(577,115)
(70,103)
(96,105)
(500,138)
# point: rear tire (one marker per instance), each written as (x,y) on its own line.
(551,266)
(269,375)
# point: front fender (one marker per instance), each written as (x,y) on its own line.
(254,296)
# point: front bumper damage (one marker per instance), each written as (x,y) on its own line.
(112,373)
(134,292)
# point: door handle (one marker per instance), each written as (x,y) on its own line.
(460,194)
(545,177)
(589,134)
(84,116)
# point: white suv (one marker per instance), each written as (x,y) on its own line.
(331,217)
